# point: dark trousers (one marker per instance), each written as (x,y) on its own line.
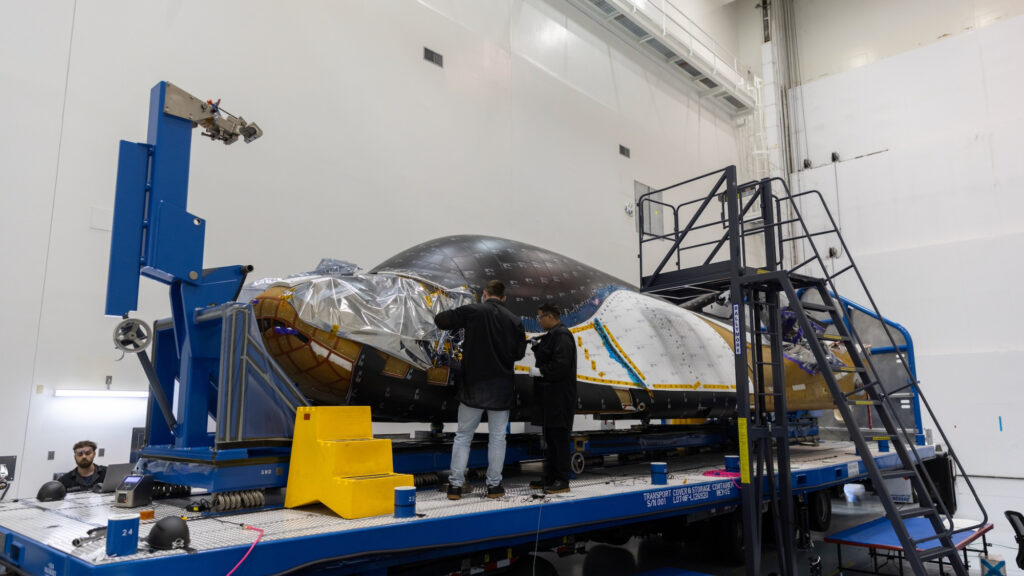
(556,455)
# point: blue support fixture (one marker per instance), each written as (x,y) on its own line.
(155,236)
(906,349)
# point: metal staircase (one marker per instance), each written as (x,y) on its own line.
(751,225)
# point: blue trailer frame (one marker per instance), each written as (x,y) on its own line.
(442,529)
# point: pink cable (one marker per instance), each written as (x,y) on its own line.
(258,538)
(725,474)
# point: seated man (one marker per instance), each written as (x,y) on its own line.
(86,475)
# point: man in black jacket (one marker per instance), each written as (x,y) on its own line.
(554,392)
(494,340)
(85,475)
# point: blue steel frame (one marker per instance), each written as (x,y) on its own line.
(154,236)
(907,349)
(373,550)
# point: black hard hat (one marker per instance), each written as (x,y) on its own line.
(168,534)
(51,492)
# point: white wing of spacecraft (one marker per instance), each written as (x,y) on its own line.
(635,341)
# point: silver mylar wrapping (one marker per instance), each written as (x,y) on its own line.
(389,312)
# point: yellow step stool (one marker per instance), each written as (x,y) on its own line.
(337,461)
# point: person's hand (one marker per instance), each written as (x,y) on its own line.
(535,372)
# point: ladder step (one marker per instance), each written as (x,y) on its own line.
(817,307)
(856,391)
(902,388)
(897,473)
(843,271)
(804,263)
(908,513)
(850,369)
(936,553)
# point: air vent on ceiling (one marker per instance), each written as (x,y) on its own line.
(623,150)
(433,57)
(688,68)
(633,27)
(638,22)
(604,6)
(661,48)
(735,103)
(708,82)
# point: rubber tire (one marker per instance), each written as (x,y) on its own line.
(819,510)
(729,543)
(612,537)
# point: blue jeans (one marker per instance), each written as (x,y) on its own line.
(469,419)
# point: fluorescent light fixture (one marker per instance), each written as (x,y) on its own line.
(71,393)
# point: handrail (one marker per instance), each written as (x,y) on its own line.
(852,329)
(721,242)
(909,360)
(689,33)
(779,240)
(678,235)
(683,183)
(920,394)
(682,235)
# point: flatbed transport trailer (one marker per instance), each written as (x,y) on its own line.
(489,534)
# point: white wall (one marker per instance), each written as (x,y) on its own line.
(58,423)
(838,35)
(30,128)
(933,219)
(746,21)
(367,150)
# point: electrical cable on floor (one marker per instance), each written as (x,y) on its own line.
(536,541)
(258,538)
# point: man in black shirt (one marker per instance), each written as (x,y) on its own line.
(494,340)
(554,393)
(86,475)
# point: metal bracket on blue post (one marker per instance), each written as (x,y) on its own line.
(155,236)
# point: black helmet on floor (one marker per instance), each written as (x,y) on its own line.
(51,492)
(168,534)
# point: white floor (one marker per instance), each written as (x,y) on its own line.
(998,495)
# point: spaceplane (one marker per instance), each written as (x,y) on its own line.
(346,337)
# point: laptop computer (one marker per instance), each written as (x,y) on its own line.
(115,473)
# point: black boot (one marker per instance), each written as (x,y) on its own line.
(557,487)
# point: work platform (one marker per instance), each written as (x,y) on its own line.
(879,537)
(37,537)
